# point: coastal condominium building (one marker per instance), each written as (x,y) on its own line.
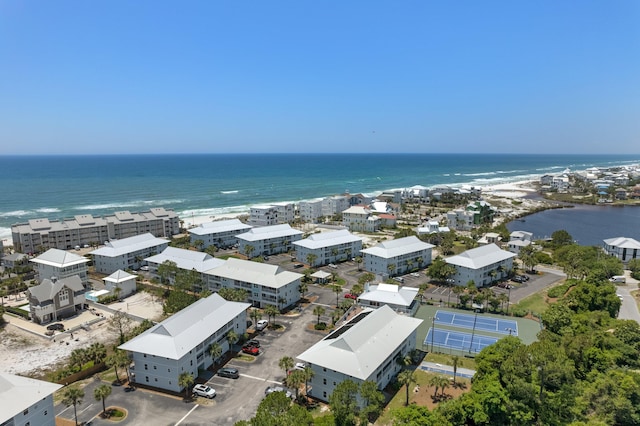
(38,235)
(360,219)
(265,284)
(397,257)
(272,214)
(187,260)
(267,240)
(328,247)
(181,343)
(26,401)
(334,205)
(623,248)
(221,233)
(366,348)
(400,299)
(482,265)
(128,253)
(310,211)
(61,264)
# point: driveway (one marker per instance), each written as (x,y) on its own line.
(235,399)
(629,307)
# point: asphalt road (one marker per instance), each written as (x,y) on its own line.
(629,307)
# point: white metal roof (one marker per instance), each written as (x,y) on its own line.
(186,259)
(357,210)
(115,248)
(268,232)
(59,258)
(623,242)
(255,273)
(219,226)
(18,393)
(390,294)
(398,247)
(327,239)
(119,276)
(363,346)
(480,257)
(183,331)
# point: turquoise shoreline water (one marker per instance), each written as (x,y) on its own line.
(209,184)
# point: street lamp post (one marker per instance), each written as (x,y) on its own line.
(510,330)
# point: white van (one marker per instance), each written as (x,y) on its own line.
(618,279)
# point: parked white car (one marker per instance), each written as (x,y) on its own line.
(204,391)
(261,325)
(272,389)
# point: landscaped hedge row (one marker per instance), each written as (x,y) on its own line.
(17,311)
(560,290)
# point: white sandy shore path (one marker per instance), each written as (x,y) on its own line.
(22,352)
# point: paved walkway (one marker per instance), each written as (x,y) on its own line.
(434,367)
(629,307)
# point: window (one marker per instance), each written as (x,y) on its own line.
(324,395)
(46,412)
(156,379)
(25,412)
(324,381)
(146,367)
(146,379)
(155,367)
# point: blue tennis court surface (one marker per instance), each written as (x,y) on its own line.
(477,322)
(459,341)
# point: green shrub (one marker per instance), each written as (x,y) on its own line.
(17,311)
(558,291)
(519,313)
(320,326)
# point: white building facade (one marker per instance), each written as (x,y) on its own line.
(360,219)
(397,257)
(268,240)
(55,263)
(181,342)
(400,299)
(265,284)
(482,265)
(366,348)
(328,247)
(623,248)
(272,214)
(187,260)
(128,253)
(25,401)
(221,233)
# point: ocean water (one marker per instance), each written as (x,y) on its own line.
(205,185)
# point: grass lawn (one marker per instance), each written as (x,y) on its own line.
(445,359)
(420,393)
(536,303)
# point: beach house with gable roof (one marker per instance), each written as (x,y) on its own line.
(26,401)
(482,265)
(221,233)
(396,257)
(400,299)
(181,343)
(366,348)
(623,248)
(268,240)
(61,264)
(328,247)
(360,219)
(127,253)
(265,284)
(55,298)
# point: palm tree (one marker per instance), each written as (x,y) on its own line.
(119,359)
(318,310)
(185,380)
(308,375)
(295,379)
(420,260)
(97,353)
(286,363)
(271,311)
(357,289)
(455,359)
(255,315)
(311,259)
(337,289)
(73,396)
(248,250)
(101,393)
(303,288)
(359,262)
(232,338)
(215,350)
(435,382)
(444,383)
(391,267)
(406,377)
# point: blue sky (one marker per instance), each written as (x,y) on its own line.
(320,76)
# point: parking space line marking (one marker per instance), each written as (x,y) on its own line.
(258,378)
(85,409)
(186,415)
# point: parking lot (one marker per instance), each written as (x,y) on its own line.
(236,399)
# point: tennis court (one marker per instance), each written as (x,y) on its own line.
(477,322)
(457,340)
